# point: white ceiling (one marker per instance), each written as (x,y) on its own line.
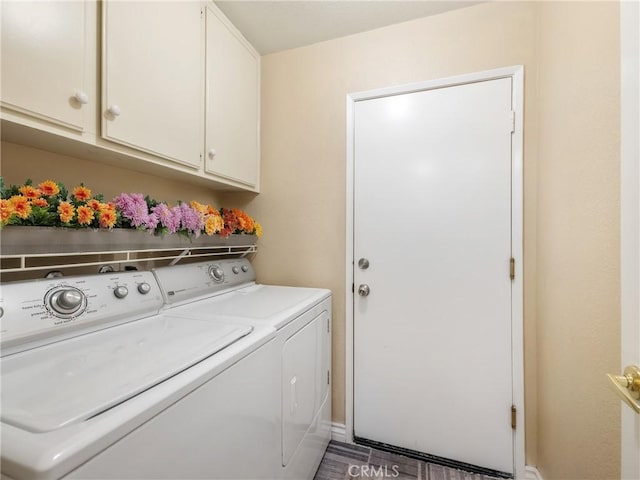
(272,26)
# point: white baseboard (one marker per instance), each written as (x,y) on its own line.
(531,473)
(339,432)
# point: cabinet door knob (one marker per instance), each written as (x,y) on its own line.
(114,110)
(81,97)
(212,153)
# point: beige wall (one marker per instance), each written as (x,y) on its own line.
(19,162)
(578,239)
(571,59)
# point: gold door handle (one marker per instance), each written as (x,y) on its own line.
(627,386)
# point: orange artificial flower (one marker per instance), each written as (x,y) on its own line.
(245,222)
(81,193)
(213,224)
(40,202)
(21,206)
(212,211)
(94,205)
(49,188)
(30,192)
(107,218)
(85,215)
(107,207)
(66,211)
(6,210)
(200,208)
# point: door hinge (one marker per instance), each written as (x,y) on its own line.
(512,268)
(328,326)
(353,288)
(328,378)
(513,416)
(513,121)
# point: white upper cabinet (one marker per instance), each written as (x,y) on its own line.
(168,69)
(44,54)
(232,103)
(153,78)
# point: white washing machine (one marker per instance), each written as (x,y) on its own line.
(302,320)
(98,383)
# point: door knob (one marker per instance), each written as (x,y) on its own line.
(363,263)
(627,386)
(364,290)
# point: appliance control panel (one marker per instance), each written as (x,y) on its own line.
(41,311)
(181,283)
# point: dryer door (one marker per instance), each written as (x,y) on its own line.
(303,379)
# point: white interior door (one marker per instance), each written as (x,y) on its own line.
(630,219)
(433,218)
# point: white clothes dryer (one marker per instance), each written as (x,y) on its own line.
(301,318)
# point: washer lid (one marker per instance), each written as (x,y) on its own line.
(52,386)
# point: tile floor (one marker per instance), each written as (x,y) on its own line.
(343,461)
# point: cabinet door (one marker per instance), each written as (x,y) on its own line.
(153,78)
(232,102)
(43,53)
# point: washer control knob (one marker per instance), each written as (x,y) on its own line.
(144,288)
(236,270)
(54,274)
(245,268)
(66,301)
(216,273)
(121,291)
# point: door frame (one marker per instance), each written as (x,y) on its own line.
(630,221)
(516,73)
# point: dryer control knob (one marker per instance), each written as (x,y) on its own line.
(245,268)
(66,301)
(235,270)
(121,291)
(216,273)
(144,288)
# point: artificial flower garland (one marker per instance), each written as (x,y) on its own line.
(50,204)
